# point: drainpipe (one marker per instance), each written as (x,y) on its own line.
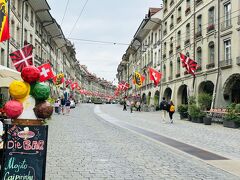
(218,68)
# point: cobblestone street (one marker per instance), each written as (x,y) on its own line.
(84,146)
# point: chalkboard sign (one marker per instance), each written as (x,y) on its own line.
(25,152)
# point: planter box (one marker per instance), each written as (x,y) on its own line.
(197,120)
(230,124)
(207,120)
(183,115)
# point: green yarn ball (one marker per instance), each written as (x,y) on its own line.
(41,91)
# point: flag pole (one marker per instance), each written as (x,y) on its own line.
(8,42)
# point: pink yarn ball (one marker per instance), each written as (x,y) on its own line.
(13,109)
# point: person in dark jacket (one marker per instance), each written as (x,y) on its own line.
(124,105)
(164,107)
(63,103)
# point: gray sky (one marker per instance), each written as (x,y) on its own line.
(102,20)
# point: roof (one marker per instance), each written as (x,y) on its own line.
(153,11)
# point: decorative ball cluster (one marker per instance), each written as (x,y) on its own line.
(19,90)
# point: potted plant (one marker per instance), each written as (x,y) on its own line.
(195,113)
(183,111)
(204,101)
(232,118)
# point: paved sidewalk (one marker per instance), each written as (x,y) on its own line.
(214,138)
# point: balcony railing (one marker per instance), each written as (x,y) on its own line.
(210,66)
(165,10)
(171,3)
(226,63)
(198,2)
(178,47)
(226,25)
(238,60)
(171,51)
(164,56)
(178,75)
(199,68)
(171,26)
(164,32)
(187,11)
(199,34)
(187,42)
(210,27)
(179,19)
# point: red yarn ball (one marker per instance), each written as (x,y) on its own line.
(13,109)
(30,74)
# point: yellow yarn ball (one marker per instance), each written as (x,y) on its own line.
(19,89)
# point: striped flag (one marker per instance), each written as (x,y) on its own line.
(4,25)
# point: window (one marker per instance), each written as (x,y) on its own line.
(179,38)
(25,35)
(12,29)
(179,12)
(211,52)
(165,47)
(211,16)
(199,23)
(188,31)
(199,56)
(26,11)
(227,50)
(188,3)
(159,56)
(171,70)
(164,72)
(155,59)
(19,7)
(31,39)
(155,37)
(31,16)
(227,14)
(2,57)
(178,65)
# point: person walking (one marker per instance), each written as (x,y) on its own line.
(68,103)
(63,103)
(57,105)
(138,104)
(124,105)
(164,107)
(131,106)
(171,111)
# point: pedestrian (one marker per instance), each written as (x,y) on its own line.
(164,107)
(132,106)
(68,103)
(171,111)
(124,105)
(57,105)
(63,103)
(138,104)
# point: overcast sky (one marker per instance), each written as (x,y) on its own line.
(101,20)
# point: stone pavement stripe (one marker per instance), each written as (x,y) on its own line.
(197,152)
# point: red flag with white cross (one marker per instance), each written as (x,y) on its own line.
(22,57)
(190,65)
(46,72)
(155,76)
(74,85)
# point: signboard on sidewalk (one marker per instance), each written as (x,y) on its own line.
(25,152)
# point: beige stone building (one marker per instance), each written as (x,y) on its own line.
(31,22)
(204,30)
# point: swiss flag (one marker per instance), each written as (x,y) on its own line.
(155,76)
(46,72)
(74,85)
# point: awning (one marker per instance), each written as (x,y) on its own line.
(7,75)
